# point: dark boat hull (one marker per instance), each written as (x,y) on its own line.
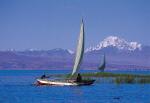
(86,82)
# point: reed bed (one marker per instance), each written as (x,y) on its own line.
(118,78)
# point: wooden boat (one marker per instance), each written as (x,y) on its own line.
(64,83)
(78,59)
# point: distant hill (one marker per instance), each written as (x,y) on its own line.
(120,54)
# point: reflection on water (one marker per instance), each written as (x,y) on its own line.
(15,87)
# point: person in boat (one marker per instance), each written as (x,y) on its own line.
(79,78)
(43,76)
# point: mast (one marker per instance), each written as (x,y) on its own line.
(79,51)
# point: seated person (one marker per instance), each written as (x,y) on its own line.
(79,78)
(43,76)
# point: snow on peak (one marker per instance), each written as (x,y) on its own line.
(70,51)
(114,41)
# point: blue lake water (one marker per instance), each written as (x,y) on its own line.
(16,87)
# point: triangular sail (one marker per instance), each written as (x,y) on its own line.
(79,51)
(103,65)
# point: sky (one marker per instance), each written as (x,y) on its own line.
(49,24)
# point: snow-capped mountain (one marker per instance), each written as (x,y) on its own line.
(119,43)
(117,50)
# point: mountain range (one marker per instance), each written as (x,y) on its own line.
(120,54)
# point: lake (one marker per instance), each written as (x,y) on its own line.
(16,87)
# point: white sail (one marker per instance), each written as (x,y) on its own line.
(79,51)
(103,65)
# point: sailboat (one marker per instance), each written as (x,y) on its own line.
(78,59)
(103,65)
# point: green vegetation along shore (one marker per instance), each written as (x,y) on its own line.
(121,78)
(117,78)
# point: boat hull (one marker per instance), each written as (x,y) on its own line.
(63,83)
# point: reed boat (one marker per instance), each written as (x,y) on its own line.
(75,72)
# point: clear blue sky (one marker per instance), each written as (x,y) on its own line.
(48,24)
